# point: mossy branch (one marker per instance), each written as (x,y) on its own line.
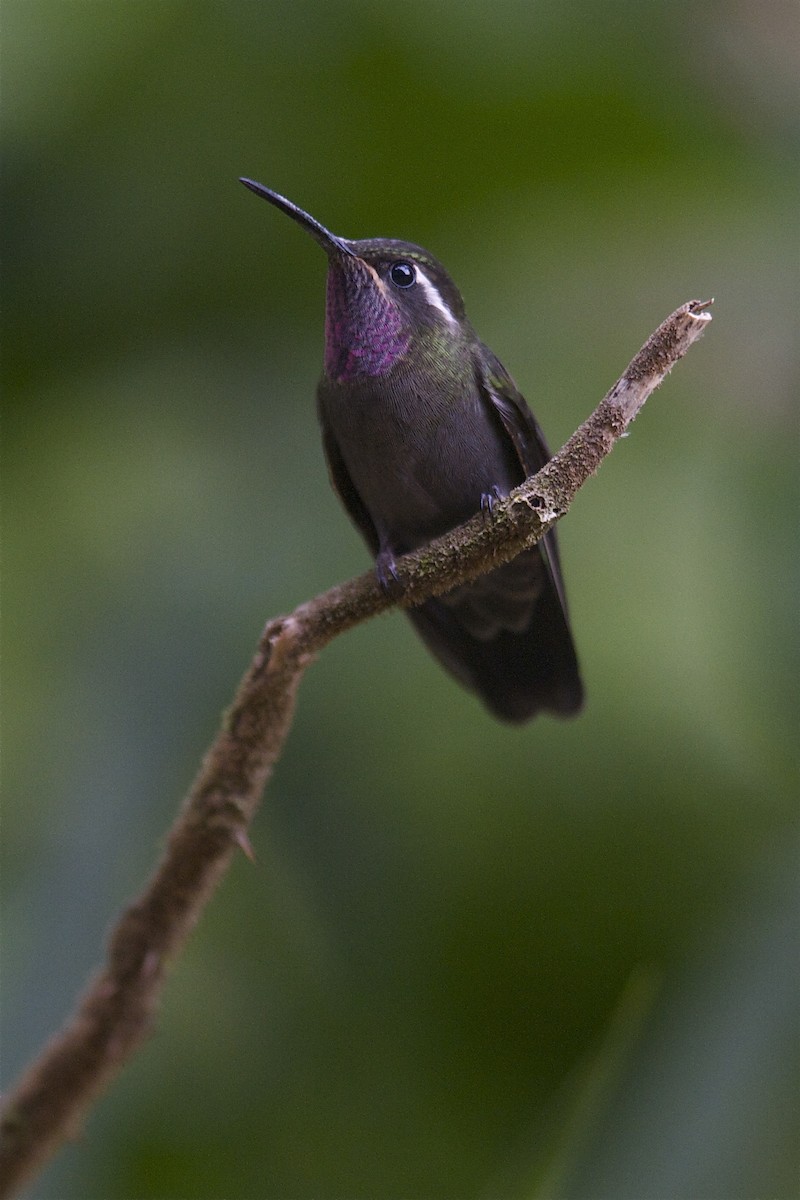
(50,1101)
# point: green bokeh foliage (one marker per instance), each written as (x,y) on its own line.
(470,960)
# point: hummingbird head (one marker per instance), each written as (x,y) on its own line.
(383,295)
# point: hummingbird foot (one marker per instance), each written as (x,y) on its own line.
(488,501)
(386,571)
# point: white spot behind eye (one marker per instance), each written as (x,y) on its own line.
(433,297)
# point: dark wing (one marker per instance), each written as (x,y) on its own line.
(343,486)
(518,669)
(529,443)
(519,422)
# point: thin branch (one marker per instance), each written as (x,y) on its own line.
(116,1012)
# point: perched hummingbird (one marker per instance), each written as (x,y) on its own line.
(422,428)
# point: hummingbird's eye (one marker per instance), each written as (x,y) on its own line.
(402,274)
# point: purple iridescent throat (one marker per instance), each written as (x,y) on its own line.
(365,333)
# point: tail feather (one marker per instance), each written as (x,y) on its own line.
(518,667)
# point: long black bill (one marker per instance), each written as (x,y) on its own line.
(331,244)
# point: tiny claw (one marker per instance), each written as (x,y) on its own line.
(244,844)
(488,501)
(386,571)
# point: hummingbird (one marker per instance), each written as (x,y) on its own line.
(423,427)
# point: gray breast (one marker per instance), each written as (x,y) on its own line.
(419,462)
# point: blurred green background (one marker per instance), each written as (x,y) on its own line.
(470,961)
